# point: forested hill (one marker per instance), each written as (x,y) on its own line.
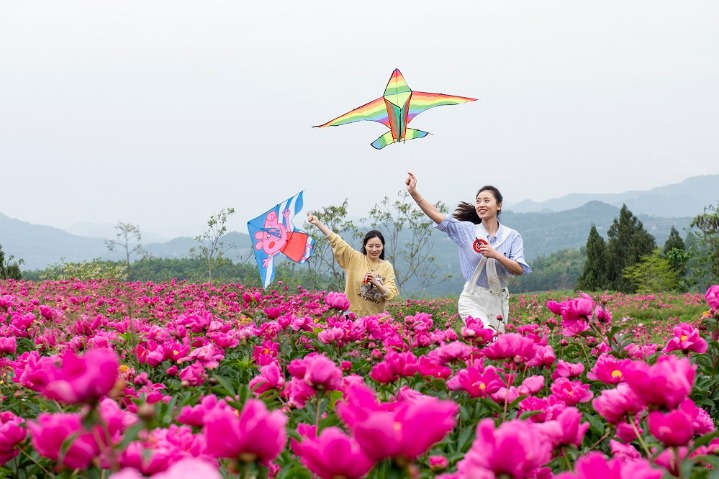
(545,233)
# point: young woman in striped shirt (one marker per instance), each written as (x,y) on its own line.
(489,252)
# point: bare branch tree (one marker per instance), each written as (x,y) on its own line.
(211,248)
(128,239)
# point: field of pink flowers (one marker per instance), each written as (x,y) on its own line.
(178,380)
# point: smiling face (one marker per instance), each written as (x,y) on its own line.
(486,205)
(374,247)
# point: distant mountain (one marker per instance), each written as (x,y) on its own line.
(40,246)
(685,199)
(109,231)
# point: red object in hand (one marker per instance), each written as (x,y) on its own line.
(365,280)
(477,243)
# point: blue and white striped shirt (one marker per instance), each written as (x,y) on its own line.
(463,233)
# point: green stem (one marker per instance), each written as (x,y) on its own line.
(47,473)
(566,461)
(601,439)
(317,414)
(639,437)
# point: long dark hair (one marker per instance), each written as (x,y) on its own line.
(468,212)
(372,234)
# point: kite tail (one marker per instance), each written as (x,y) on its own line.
(387,138)
(411,134)
(383,141)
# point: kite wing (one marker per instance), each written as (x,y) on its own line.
(422,101)
(273,233)
(372,111)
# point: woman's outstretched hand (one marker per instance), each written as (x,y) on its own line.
(312,219)
(411,182)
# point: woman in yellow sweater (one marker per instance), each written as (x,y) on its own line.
(369,278)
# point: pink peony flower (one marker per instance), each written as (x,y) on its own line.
(608,369)
(667,383)
(11,434)
(438,463)
(567,370)
(547,408)
(337,301)
(270,377)
(195,415)
(189,468)
(298,392)
(614,404)
(511,346)
(256,435)
(571,392)
(8,345)
(82,379)
(565,429)
(428,367)
(402,430)
(478,382)
(394,366)
(628,433)
(50,431)
(193,374)
(702,422)
(543,356)
(333,454)
(159,448)
(531,385)
(450,352)
(6,300)
(623,451)
(322,373)
(712,296)
(512,449)
(595,466)
(573,309)
(672,429)
(686,338)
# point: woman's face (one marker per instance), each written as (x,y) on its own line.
(374,248)
(486,205)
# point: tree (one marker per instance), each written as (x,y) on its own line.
(652,274)
(559,270)
(674,241)
(9,270)
(211,247)
(628,242)
(322,263)
(675,252)
(128,238)
(705,251)
(594,272)
(407,234)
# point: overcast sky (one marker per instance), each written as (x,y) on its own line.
(161,113)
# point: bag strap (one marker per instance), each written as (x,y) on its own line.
(489,263)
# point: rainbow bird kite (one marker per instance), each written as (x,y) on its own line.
(395,109)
